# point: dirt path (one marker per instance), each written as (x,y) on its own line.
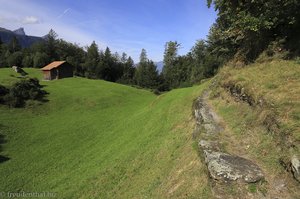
(231,175)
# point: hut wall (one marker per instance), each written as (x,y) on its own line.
(47,74)
(65,70)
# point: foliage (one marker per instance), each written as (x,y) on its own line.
(128,70)
(27,61)
(198,64)
(51,45)
(40,59)
(19,92)
(146,74)
(169,70)
(15,59)
(247,28)
(14,45)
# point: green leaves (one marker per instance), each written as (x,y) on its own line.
(249,26)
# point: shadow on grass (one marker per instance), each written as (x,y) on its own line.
(3,159)
(20,92)
(2,141)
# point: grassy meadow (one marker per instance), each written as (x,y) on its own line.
(96,139)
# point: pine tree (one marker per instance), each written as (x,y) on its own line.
(143,56)
(51,45)
(170,56)
(14,45)
(91,61)
(146,74)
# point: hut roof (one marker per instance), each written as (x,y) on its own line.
(52,65)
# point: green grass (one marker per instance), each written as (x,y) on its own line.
(246,133)
(8,76)
(252,188)
(96,139)
(278,83)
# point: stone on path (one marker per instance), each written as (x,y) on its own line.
(226,167)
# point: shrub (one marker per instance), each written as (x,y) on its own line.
(156,92)
(3,91)
(20,92)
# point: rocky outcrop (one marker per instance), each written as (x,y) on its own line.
(226,167)
(221,165)
(19,70)
(19,31)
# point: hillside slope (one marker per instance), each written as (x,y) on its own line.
(95,139)
(260,112)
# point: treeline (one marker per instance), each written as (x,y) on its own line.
(91,62)
(88,62)
(244,31)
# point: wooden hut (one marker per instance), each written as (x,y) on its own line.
(57,70)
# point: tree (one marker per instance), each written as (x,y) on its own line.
(51,45)
(128,71)
(124,58)
(170,56)
(143,56)
(1,47)
(27,61)
(198,53)
(92,60)
(146,74)
(109,67)
(40,59)
(2,54)
(14,45)
(73,54)
(244,29)
(15,59)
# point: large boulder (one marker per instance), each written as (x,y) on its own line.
(226,167)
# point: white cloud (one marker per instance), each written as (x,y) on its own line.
(30,20)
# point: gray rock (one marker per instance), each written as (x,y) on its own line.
(209,145)
(222,166)
(295,163)
(228,167)
(16,69)
(206,117)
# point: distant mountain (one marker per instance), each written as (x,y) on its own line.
(24,40)
(159,66)
(19,31)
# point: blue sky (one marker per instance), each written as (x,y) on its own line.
(124,26)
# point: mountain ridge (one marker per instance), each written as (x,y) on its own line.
(25,40)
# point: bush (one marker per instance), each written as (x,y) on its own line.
(20,92)
(3,91)
(156,92)
(297,60)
